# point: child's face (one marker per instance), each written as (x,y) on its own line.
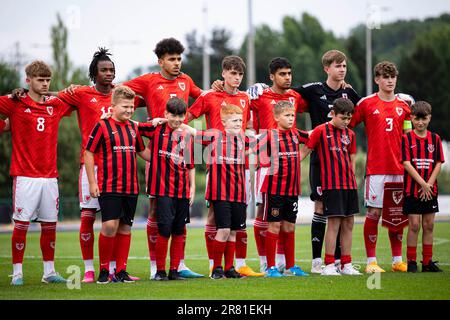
(421,123)
(39,85)
(174,120)
(386,83)
(340,121)
(285,119)
(123,109)
(232,78)
(232,123)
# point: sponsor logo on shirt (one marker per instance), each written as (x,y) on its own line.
(324,97)
(93,100)
(376,111)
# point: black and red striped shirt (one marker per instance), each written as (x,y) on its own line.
(226,164)
(424,154)
(116,144)
(283,149)
(334,147)
(172,156)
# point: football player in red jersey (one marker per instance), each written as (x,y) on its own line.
(35,121)
(157,88)
(385,117)
(210,104)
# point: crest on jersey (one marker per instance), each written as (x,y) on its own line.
(292,100)
(295,139)
(243,103)
(345,96)
(20,246)
(133,133)
(397,196)
(85,236)
(182,85)
(431,148)
(19,210)
(275,212)
(50,110)
(399,111)
(87,198)
(345,139)
(319,191)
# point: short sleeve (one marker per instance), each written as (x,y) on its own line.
(199,107)
(352,143)
(65,109)
(140,146)
(405,149)
(303,136)
(6,105)
(146,129)
(440,151)
(302,105)
(194,91)
(358,116)
(314,138)
(73,99)
(139,85)
(95,138)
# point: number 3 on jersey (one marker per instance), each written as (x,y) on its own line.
(40,124)
(389,124)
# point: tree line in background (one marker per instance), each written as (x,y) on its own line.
(421,50)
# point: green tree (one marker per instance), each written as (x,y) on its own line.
(425,75)
(9,80)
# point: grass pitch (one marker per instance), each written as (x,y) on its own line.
(392,286)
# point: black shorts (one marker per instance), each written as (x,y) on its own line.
(230,215)
(280,208)
(315,181)
(414,205)
(115,206)
(340,203)
(173,214)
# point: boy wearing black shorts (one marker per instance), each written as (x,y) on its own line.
(336,146)
(171,181)
(115,142)
(422,156)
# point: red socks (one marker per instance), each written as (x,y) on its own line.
(177,250)
(218,249)
(329,258)
(230,249)
(289,247)
(260,230)
(210,235)
(152,235)
(395,238)
(241,244)
(371,235)
(48,238)
(121,250)
(161,252)
(19,240)
(184,244)
(105,249)
(427,253)
(271,244)
(411,253)
(345,260)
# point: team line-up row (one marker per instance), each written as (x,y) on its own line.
(401,153)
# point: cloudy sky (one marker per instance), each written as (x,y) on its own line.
(132,28)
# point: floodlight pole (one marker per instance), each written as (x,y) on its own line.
(251,74)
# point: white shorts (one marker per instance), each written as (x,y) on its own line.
(35,199)
(248,186)
(374,188)
(260,175)
(86,201)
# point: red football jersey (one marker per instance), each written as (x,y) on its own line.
(157,90)
(384,128)
(172,154)
(90,105)
(334,147)
(2,125)
(262,107)
(116,144)
(210,103)
(34,130)
(424,154)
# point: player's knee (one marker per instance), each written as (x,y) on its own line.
(414,227)
(428,226)
(164,230)
(318,207)
(373,213)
